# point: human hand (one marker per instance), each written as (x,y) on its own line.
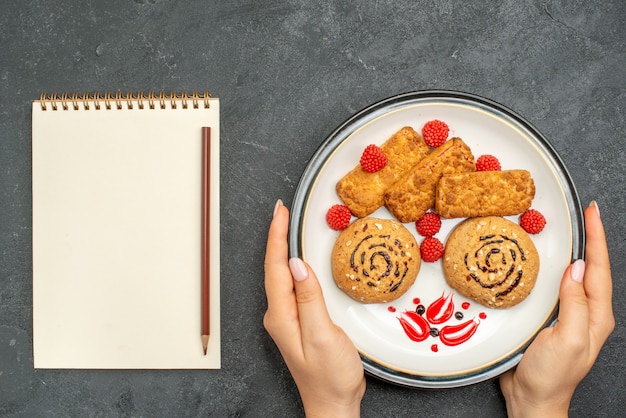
(321,358)
(561,356)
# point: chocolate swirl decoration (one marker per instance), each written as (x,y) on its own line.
(495,264)
(375,261)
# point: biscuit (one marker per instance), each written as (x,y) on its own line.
(375,260)
(492,261)
(411,196)
(362,192)
(484,193)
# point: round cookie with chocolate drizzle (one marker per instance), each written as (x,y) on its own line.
(375,260)
(492,261)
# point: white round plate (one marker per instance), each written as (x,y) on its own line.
(502,334)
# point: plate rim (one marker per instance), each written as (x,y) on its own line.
(368,114)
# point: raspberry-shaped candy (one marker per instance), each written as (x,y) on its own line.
(428,225)
(338,217)
(532,221)
(435,133)
(487,163)
(373,159)
(431,249)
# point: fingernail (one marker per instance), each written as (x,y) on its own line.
(595,205)
(298,269)
(577,271)
(279,203)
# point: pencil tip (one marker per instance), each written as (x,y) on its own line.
(205,343)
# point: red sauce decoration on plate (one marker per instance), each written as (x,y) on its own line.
(441,309)
(452,335)
(417,329)
(418,324)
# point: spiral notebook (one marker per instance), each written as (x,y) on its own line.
(116,182)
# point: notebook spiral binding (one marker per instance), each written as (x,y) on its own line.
(119,100)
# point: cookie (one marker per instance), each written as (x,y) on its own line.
(484,193)
(492,261)
(363,192)
(375,260)
(412,195)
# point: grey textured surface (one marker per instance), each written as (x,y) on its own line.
(288,72)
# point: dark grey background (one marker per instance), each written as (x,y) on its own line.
(287,73)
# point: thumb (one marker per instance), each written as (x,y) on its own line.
(309,298)
(573,309)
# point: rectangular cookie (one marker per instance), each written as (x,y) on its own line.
(363,192)
(411,196)
(484,193)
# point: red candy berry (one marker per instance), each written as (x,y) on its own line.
(532,221)
(435,133)
(431,249)
(338,217)
(373,159)
(487,163)
(428,225)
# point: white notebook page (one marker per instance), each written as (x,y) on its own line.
(116,237)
